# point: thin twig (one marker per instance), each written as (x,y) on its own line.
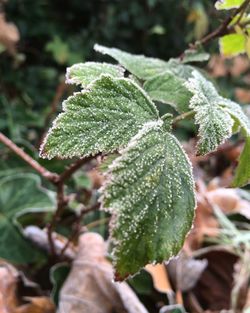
(54,178)
(50,176)
(183,116)
(223,29)
(73,168)
(76,233)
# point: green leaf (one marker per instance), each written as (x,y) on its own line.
(58,275)
(191,55)
(232,45)
(215,123)
(59,49)
(20,194)
(236,112)
(150,192)
(181,70)
(242,174)
(139,65)
(228,4)
(102,118)
(170,89)
(84,73)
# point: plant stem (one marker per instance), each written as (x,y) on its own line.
(223,29)
(76,233)
(183,116)
(50,176)
(57,180)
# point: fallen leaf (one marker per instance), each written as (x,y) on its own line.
(10,300)
(160,277)
(185,271)
(213,289)
(219,66)
(89,286)
(36,305)
(9,34)
(8,280)
(242,95)
(205,222)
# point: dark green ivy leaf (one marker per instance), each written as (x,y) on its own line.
(20,194)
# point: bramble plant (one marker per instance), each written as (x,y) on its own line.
(149,185)
(149,188)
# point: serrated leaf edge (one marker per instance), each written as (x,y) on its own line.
(42,150)
(73,81)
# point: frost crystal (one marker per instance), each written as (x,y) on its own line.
(84,73)
(100,119)
(139,65)
(150,192)
(215,123)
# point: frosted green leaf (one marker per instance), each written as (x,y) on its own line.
(215,123)
(228,4)
(170,89)
(191,55)
(84,73)
(19,194)
(242,174)
(232,45)
(238,115)
(139,65)
(183,71)
(100,119)
(150,192)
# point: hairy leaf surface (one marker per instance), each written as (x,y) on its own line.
(139,65)
(18,194)
(84,73)
(100,119)
(181,70)
(215,123)
(238,115)
(150,193)
(191,55)
(170,89)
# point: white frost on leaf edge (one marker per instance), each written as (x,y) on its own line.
(72,81)
(83,91)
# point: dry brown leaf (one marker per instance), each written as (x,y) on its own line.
(96,177)
(90,287)
(40,238)
(213,290)
(219,66)
(160,278)
(229,201)
(205,223)
(9,34)
(242,95)
(185,271)
(36,305)
(9,300)
(8,280)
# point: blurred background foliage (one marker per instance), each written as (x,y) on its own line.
(54,35)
